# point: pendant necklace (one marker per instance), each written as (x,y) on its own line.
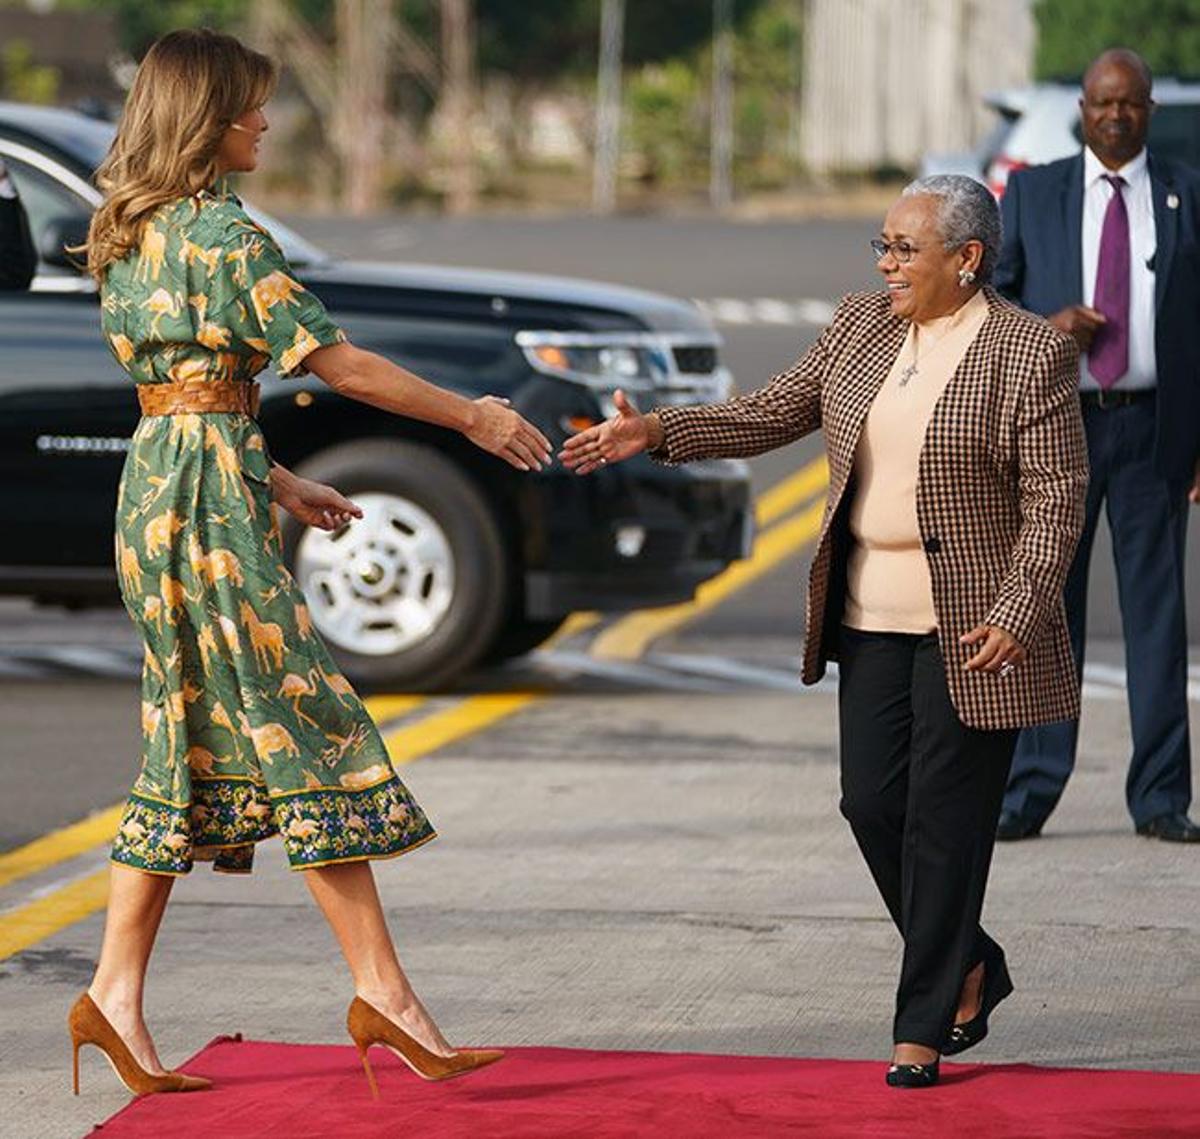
(911,370)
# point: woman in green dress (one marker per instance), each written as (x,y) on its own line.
(249,730)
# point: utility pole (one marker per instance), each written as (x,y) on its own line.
(457,102)
(361,109)
(720,191)
(608,107)
(795,93)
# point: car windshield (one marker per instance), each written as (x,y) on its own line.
(88,141)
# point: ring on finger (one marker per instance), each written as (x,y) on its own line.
(1007,668)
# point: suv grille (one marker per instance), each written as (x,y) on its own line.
(697,359)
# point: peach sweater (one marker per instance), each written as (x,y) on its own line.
(888,589)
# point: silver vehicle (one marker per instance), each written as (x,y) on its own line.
(1040,124)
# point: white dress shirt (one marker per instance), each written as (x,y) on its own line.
(1143,242)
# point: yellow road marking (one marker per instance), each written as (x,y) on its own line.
(474,714)
(630,637)
(37,920)
(575,623)
(59,845)
(794,491)
(385,708)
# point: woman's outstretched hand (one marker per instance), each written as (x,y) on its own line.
(501,431)
(311,503)
(624,435)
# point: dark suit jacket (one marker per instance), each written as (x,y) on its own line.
(1041,268)
(1000,489)
(18,258)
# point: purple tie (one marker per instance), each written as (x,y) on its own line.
(1108,359)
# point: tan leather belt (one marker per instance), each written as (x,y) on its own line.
(192,397)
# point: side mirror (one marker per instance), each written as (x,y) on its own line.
(57,234)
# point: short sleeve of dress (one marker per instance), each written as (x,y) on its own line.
(269,309)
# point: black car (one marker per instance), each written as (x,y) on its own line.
(459,558)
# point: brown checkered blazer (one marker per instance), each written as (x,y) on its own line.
(1000,489)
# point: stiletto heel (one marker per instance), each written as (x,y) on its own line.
(368,1026)
(88,1025)
(997,985)
(362,1055)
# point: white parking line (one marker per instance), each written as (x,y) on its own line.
(778,311)
(698,672)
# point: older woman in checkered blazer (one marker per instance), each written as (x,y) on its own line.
(957,475)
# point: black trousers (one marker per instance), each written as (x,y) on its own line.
(922,794)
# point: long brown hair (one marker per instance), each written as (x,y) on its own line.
(189,87)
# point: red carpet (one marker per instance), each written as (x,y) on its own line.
(295,1091)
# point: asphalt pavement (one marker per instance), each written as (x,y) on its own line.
(635,854)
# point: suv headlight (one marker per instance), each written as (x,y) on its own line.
(676,367)
(598,362)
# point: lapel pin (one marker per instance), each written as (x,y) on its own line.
(1172,201)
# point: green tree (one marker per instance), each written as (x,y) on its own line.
(1071,33)
(139,24)
(23,79)
(548,38)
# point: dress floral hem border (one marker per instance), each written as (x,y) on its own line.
(227,818)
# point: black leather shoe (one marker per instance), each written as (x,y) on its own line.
(1171,828)
(912,1075)
(997,985)
(1013,828)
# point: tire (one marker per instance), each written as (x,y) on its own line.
(520,636)
(413,594)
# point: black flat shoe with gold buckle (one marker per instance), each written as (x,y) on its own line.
(997,985)
(912,1075)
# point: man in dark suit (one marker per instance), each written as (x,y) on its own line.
(18,258)
(1106,246)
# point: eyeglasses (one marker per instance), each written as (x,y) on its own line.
(900,250)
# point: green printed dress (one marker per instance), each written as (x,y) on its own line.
(249,729)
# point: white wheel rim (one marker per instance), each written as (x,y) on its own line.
(382,584)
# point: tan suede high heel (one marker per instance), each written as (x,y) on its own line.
(89,1025)
(368,1026)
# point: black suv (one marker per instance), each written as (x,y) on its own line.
(459,559)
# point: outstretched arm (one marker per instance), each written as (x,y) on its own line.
(270,311)
(785,409)
(489,422)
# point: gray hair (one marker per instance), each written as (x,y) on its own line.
(967,211)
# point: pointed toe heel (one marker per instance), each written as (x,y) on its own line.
(88,1025)
(368,1026)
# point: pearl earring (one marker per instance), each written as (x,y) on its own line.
(966,277)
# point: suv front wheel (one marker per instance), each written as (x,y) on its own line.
(414,593)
